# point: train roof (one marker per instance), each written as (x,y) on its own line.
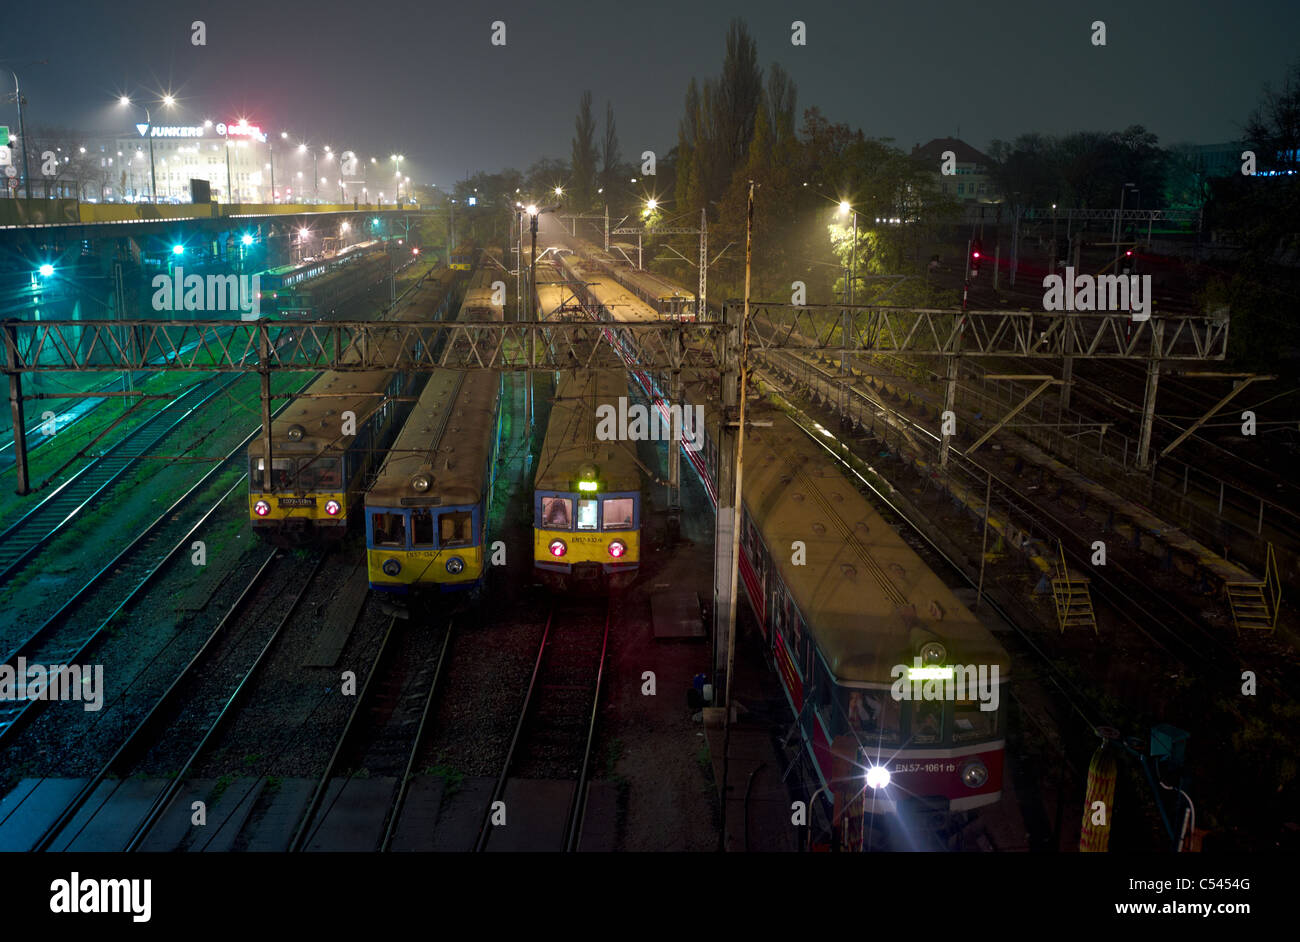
(571,440)
(321,420)
(867,598)
(358,391)
(447,438)
(619,303)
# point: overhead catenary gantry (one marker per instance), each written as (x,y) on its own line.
(265,346)
(701,296)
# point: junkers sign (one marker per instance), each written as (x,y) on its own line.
(242,130)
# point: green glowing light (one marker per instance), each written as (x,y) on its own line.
(930,673)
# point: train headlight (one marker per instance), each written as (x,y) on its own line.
(877,777)
(974,773)
(455,565)
(420,483)
(617,548)
(332,507)
(558,548)
(932,652)
(392,567)
(296,433)
(261,508)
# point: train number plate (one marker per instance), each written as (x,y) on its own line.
(297,501)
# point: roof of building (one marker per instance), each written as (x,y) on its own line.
(965,153)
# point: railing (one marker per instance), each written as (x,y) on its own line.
(1225,516)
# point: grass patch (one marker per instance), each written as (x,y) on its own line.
(219,789)
(452,777)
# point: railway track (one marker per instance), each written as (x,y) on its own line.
(186,717)
(57,510)
(74,629)
(556,729)
(1157,617)
(377,740)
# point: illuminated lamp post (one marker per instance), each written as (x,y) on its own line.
(167,101)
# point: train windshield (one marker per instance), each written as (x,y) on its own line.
(872,716)
(389,529)
(320,474)
(421,529)
(927,722)
(587,514)
(970,723)
(618,513)
(281,473)
(557,512)
(456,528)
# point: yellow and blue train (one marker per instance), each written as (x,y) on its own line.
(587,492)
(321,458)
(427,511)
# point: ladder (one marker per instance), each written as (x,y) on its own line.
(1073,598)
(1256,604)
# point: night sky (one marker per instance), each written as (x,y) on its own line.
(423,79)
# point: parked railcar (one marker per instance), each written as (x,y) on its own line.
(427,511)
(587,492)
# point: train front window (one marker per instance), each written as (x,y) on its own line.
(281,473)
(389,529)
(421,529)
(872,716)
(927,722)
(971,724)
(587,514)
(556,512)
(320,474)
(618,514)
(456,528)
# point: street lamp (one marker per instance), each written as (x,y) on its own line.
(22,133)
(230,186)
(846,209)
(167,101)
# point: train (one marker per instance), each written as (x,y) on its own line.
(661,295)
(427,510)
(859,631)
(321,458)
(895,686)
(462,258)
(586,492)
(315,289)
(477,307)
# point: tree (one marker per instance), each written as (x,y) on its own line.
(543,176)
(609,154)
(735,105)
(688,130)
(779,98)
(582,184)
(1273,128)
